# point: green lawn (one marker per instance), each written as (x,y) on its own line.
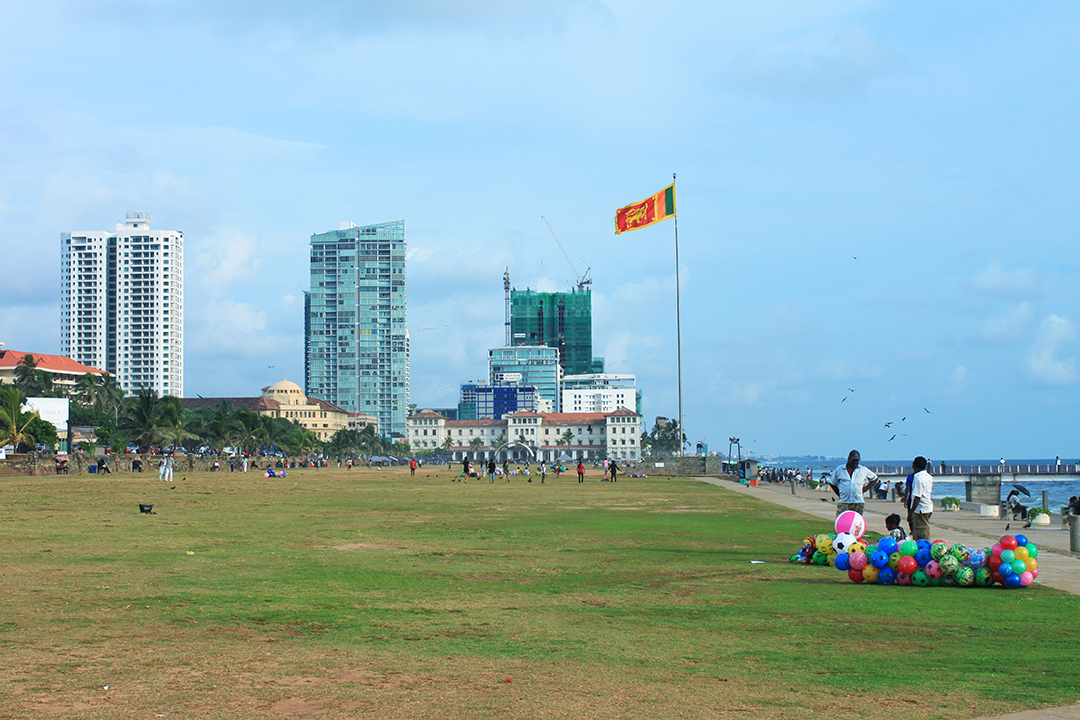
(373,594)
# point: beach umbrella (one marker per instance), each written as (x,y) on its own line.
(1022,489)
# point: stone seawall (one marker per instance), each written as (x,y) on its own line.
(683,466)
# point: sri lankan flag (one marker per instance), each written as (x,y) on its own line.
(648,212)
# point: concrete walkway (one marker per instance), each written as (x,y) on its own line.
(1058,568)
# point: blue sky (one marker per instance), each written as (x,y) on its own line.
(874,196)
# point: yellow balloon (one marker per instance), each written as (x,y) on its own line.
(1031,563)
(1021,553)
(857,547)
(869,574)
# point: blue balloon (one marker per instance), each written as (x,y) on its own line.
(887,545)
(886,576)
(842,561)
(1012,581)
(879,559)
(1005,569)
(1021,540)
(923,556)
(924,543)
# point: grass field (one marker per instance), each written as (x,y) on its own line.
(373,594)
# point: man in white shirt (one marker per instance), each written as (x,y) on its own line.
(849,482)
(922,504)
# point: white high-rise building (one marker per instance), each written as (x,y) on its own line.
(122,303)
(599,392)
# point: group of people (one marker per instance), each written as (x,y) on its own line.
(611,471)
(851,480)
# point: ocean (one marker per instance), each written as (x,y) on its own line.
(1059,490)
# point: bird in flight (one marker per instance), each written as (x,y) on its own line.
(851,389)
(272,366)
(892,438)
(928,412)
(903,418)
(844,400)
(888,424)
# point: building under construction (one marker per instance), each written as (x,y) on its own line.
(560,320)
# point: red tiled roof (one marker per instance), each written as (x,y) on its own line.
(258,404)
(49,363)
(485,422)
(425,414)
(327,405)
(575,418)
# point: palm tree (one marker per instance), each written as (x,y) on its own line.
(86,390)
(174,429)
(145,418)
(475,444)
(252,433)
(13,421)
(26,376)
(222,428)
(566,438)
(109,397)
(370,442)
(448,442)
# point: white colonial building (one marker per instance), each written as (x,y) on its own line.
(545,436)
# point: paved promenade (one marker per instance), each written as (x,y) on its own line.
(1058,568)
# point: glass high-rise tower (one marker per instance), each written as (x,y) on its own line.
(558,320)
(356,342)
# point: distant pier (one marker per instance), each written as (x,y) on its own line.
(1007,473)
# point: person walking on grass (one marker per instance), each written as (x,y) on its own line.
(580,472)
(850,481)
(614,471)
(506,471)
(491,470)
(543,472)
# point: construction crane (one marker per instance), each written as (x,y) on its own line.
(506,290)
(582,280)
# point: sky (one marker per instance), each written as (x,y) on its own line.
(877,201)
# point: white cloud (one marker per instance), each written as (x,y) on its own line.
(1043,363)
(1015,284)
(231,328)
(222,259)
(958,379)
(1007,328)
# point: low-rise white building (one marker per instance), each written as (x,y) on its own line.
(598,392)
(536,436)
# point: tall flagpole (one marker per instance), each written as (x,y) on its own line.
(678,325)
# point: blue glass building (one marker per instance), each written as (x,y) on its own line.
(534,365)
(356,343)
(480,400)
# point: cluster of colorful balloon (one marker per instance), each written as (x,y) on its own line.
(1010,562)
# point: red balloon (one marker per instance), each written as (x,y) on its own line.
(996,550)
(994,563)
(907,565)
(1008,543)
(997,577)
(855,575)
